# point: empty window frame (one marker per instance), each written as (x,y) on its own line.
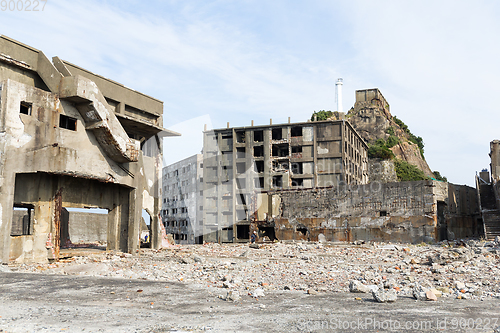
(297,168)
(25,108)
(258,136)
(277,134)
(67,122)
(240,152)
(258,151)
(278,181)
(259,182)
(280,150)
(240,167)
(22,220)
(240,136)
(259,166)
(296,131)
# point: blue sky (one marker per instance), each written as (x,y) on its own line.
(436,62)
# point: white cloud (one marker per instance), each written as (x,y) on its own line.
(435,62)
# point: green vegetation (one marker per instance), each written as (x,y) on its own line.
(381,149)
(413,138)
(408,172)
(438,176)
(324,115)
(390,131)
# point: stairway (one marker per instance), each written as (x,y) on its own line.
(491,215)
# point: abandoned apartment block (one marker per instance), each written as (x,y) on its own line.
(182,207)
(241,161)
(73,139)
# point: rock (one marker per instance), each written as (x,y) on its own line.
(383,296)
(444,290)
(477,292)
(259,292)
(321,238)
(197,258)
(245,254)
(312,291)
(389,283)
(436,292)
(458,254)
(5,269)
(430,296)
(286,288)
(254,246)
(459,285)
(419,293)
(233,296)
(186,260)
(358,287)
(227,284)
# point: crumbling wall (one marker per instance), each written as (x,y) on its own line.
(398,211)
(462,213)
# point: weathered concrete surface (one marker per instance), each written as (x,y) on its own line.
(414,212)
(382,171)
(89,304)
(62,143)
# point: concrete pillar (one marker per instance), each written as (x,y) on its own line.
(134,218)
(155,232)
(114,219)
(6,211)
(495,159)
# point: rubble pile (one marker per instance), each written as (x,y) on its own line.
(463,270)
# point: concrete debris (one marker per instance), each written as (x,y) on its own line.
(420,293)
(430,296)
(385,296)
(312,291)
(458,254)
(259,292)
(279,266)
(233,296)
(5,269)
(358,287)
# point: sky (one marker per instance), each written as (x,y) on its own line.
(437,63)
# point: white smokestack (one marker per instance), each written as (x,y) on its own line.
(338,94)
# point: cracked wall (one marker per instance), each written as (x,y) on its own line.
(398,212)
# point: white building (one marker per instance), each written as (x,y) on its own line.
(182,210)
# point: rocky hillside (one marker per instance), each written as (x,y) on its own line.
(372,119)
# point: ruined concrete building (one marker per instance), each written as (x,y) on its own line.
(488,189)
(71,138)
(182,208)
(408,212)
(241,161)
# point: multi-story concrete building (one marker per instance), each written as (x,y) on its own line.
(71,138)
(239,161)
(182,208)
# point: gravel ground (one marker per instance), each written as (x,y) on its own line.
(468,269)
(271,283)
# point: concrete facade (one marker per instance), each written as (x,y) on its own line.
(410,212)
(240,161)
(182,207)
(71,138)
